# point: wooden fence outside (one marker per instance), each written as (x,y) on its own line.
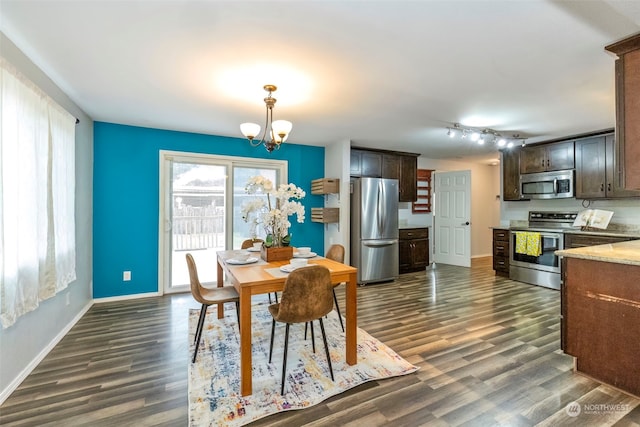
(198,228)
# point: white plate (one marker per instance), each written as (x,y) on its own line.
(249,260)
(299,255)
(288,268)
(253,250)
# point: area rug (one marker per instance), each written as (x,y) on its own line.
(214,380)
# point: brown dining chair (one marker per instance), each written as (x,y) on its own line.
(306,296)
(207,297)
(336,253)
(249,244)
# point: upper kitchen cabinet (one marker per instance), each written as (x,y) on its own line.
(598,175)
(366,163)
(547,157)
(388,164)
(627,70)
(511,174)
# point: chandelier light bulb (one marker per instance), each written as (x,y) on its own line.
(501,142)
(250,130)
(475,136)
(509,144)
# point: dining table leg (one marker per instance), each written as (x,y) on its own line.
(220,280)
(352,319)
(246,379)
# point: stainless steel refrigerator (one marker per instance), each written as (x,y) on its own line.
(374,229)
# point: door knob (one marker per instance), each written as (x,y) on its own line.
(465,223)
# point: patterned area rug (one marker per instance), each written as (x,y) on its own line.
(214,380)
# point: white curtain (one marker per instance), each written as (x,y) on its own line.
(37,186)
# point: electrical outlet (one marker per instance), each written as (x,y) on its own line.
(126,276)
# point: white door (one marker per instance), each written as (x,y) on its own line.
(452,218)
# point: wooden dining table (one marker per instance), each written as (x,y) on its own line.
(254,279)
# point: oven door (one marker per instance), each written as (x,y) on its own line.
(547,261)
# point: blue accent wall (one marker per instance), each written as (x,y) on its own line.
(126,198)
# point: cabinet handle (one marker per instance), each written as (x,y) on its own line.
(500,247)
(602,187)
(609,187)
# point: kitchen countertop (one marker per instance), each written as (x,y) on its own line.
(401,227)
(618,253)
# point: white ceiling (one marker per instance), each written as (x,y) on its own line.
(386,74)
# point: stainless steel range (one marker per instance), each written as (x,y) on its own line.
(543,269)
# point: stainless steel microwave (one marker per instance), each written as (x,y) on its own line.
(547,185)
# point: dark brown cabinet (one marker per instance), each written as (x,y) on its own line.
(414,249)
(511,175)
(547,157)
(579,240)
(501,251)
(366,163)
(628,109)
(394,165)
(597,173)
(575,240)
(408,178)
(601,313)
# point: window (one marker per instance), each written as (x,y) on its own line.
(37,196)
(201,196)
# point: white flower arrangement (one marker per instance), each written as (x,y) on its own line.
(274,217)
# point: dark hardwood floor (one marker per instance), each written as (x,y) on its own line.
(487,347)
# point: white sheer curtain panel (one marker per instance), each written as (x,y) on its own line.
(37,171)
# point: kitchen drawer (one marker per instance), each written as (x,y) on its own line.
(413,233)
(501,265)
(500,234)
(572,240)
(501,249)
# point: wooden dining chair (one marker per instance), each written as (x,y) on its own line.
(249,244)
(336,253)
(306,296)
(207,297)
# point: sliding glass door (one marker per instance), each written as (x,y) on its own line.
(200,212)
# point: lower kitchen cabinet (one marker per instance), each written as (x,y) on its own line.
(572,241)
(414,249)
(501,251)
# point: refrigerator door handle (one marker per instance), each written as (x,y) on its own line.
(379,209)
(379,243)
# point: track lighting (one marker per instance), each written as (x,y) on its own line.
(484,135)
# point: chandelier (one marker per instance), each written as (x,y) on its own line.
(275,132)
(484,135)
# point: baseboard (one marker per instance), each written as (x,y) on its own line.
(36,361)
(126,297)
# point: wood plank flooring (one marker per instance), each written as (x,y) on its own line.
(487,347)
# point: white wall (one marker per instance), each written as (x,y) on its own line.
(336,165)
(25,343)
